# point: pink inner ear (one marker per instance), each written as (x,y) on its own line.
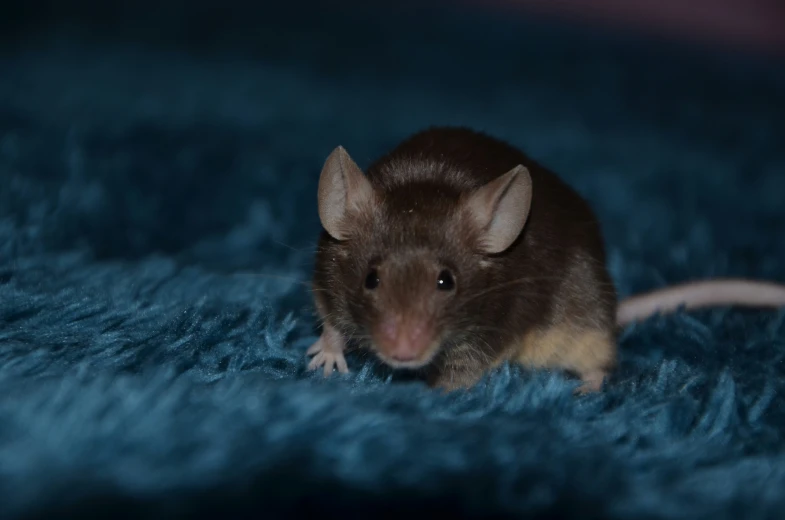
(501,209)
(342,187)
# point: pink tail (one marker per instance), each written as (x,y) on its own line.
(708,293)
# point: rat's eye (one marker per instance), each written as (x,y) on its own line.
(446,281)
(372,279)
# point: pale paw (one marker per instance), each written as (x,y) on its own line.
(327,353)
(591,383)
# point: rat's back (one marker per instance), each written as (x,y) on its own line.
(464,159)
(460,159)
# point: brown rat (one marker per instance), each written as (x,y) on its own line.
(456,252)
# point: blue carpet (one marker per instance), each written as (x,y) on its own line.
(157,220)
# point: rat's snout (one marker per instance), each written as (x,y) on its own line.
(404,341)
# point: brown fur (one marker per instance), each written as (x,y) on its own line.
(547,301)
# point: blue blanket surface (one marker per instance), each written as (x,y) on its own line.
(158,218)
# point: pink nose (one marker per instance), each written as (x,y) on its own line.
(404,340)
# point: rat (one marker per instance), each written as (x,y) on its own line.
(456,252)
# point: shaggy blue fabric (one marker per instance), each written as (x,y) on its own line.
(157,222)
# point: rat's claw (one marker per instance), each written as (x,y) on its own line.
(330,361)
(591,382)
(315,348)
(328,352)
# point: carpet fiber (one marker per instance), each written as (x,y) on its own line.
(157,223)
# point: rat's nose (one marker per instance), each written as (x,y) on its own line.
(404,339)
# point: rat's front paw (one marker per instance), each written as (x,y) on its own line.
(328,352)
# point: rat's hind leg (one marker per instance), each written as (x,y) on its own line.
(588,352)
(328,351)
(579,336)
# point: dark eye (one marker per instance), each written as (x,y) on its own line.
(372,279)
(446,281)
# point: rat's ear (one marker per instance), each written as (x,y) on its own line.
(342,187)
(500,208)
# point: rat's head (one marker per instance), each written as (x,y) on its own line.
(405,258)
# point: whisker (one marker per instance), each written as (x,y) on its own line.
(522,281)
(311,248)
(271,276)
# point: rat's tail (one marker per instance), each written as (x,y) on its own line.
(709,293)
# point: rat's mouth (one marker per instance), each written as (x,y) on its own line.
(408,361)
